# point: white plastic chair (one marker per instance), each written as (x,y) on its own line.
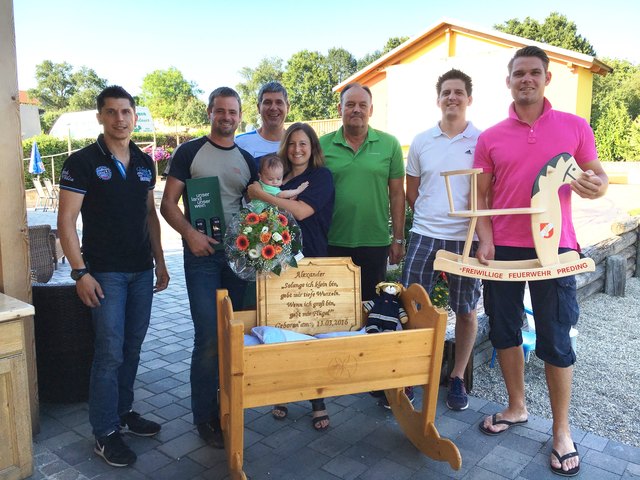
(44,199)
(52,193)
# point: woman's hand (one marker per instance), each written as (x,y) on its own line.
(254,191)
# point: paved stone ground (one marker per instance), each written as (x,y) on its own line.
(363,443)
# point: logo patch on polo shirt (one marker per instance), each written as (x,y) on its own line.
(144,174)
(65,175)
(104,173)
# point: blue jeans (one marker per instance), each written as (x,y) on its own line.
(203,276)
(120,324)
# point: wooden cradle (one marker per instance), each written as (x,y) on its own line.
(269,374)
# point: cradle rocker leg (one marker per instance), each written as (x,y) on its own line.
(231,362)
(421,432)
(419,426)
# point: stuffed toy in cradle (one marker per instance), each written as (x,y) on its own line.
(385,312)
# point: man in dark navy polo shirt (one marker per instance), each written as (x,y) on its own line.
(111,183)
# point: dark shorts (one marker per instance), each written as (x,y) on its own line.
(464,292)
(555,310)
(372,262)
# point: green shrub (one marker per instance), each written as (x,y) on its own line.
(48,145)
(162,139)
(201,132)
(394,273)
(440,297)
(408,222)
(48,118)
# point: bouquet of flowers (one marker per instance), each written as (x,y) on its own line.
(262,243)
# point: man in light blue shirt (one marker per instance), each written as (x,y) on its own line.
(273,107)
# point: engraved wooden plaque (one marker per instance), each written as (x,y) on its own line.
(321,295)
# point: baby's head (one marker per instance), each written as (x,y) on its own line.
(271,170)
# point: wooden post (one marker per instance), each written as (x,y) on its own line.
(15,279)
(615,280)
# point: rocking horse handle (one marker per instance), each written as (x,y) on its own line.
(474,186)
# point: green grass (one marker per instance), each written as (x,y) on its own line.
(634,212)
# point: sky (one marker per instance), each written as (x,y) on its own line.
(210,41)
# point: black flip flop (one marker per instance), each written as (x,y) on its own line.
(317,422)
(565,473)
(495,421)
(282,409)
(317,405)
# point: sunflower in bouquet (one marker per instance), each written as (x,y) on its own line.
(262,243)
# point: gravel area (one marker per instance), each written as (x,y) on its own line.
(606,376)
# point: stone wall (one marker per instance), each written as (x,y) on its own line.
(623,243)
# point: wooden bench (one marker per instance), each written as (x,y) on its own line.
(268,374)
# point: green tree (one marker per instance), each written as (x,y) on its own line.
(86,78)
(193,113)
(615,115)
(623,83)
(341,64)
(59,88)
(308,83)
(369,58)
(167,94)
(54,85)
(612,131)
(87,86)
(48,118)
(392,43)
(268,70)
(634,142)
(556,30)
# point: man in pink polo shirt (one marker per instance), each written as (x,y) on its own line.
(511,154)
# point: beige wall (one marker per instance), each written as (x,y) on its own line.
(380,116)
(29,120)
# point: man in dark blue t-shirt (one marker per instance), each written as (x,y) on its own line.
(206,268)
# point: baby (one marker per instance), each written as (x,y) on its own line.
(270,175)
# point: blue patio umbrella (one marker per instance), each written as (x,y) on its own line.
(36,167)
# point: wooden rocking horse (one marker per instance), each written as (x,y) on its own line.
(546,226)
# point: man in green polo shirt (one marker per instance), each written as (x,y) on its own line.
(368,173)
